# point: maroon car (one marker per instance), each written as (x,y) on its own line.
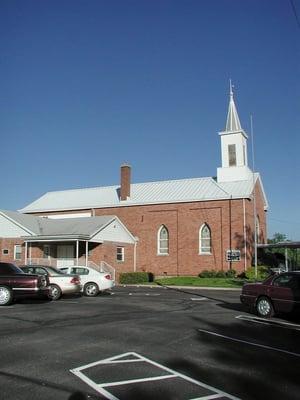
(14,283)
(277,294)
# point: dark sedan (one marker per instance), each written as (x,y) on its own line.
(277,294)
(15,283)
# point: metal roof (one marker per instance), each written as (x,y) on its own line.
(232,123)
(171,191)
(40,226)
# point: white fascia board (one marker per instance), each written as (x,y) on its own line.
(17,223)
(258,178)
(132,239)
(55,238)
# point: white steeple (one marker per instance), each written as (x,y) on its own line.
(233,122)
(233,147)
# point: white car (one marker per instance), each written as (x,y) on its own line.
(60,282)
(93,281)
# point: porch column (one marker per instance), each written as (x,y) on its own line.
(286,259)
(86,253)
(77,251)
(26,249)
(30,244)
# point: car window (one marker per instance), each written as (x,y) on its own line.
(10,269)
(40,271)
(283,280)
(28,270)
(80,271)
(55,271)
(64,270)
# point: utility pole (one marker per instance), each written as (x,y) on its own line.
(254,200)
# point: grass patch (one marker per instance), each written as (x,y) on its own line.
(196,281)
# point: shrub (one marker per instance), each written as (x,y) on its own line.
(135,277)
(231,273)
(262,272)
(217,274)
(220,274)
(207,274)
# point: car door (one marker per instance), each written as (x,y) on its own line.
(282,293)
(82,272)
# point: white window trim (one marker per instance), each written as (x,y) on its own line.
(122,254)
(15,252)
(158,241)
(200,241)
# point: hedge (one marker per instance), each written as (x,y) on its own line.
(135,277)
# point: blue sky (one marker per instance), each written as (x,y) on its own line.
(87,85)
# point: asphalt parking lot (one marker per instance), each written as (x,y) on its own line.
(146,343)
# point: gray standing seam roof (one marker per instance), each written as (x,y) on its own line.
(172,191)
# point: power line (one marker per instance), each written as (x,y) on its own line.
(285,222)
(295,13)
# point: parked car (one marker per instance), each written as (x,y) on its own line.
(14,284)
(277,294)
(93,281)
(60,282)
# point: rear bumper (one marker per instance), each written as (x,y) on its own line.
(71,289)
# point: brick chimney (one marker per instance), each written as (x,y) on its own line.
(125,181)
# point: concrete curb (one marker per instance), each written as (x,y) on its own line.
(182,287)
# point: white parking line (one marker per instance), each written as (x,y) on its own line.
(199,298)
(250,343)
(265,321)
(132,357)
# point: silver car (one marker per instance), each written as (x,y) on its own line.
(60,282)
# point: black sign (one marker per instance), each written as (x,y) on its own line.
(233,255)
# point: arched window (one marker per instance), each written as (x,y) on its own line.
(163,241)
(204,240)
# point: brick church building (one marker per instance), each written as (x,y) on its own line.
(175,227)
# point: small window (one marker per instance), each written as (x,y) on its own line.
(232,155)
(120,254)
(5,252)
(205,240)
(163,241)
(18,252)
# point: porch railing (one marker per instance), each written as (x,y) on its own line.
(54,262)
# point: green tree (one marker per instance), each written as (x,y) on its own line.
(278,237)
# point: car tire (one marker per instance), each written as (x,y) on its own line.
(6,296)
(55,292)
(91,289)
(264,307)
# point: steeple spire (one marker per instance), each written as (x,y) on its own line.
(233,147)
(233,122)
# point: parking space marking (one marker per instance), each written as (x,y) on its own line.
(250,343)
(199,298)
(258,320)
(138,294)
(163,374)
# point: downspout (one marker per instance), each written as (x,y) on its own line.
(134,255)
(245,236)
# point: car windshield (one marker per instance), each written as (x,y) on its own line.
(7,268)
